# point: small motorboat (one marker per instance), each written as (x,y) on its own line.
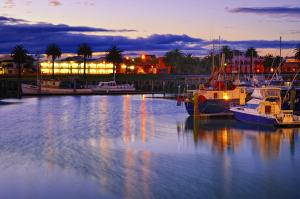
(265,109)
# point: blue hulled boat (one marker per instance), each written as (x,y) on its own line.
(265,109)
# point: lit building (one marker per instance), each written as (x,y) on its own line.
(144,64)
(7,66)
(147,64)
(75,68)
(242,64)
(291,65)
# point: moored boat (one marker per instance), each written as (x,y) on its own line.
(51,87)
(214,102)
(265,109)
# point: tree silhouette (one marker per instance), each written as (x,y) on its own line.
(19,55)
(174,58)
(54,52)
(227,52)
(114,56)
(251,52)
(85,51)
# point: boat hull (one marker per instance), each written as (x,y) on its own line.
(253,118)
(216,106)
(28,89)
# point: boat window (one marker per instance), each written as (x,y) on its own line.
(215,95)
(252,106)
(267,109)
(272,99)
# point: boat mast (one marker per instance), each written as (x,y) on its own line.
(213,59)
(220,64)
(239,70)
(280,47)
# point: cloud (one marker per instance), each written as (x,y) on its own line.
(9,4)
(8,20)
(261,44)
(278,11)
(36,36)
(55,3)
(11,25)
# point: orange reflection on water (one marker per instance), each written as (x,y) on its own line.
(143,120)
(129,172)
(127,119)
(146,173)
(104,148)
(231,137)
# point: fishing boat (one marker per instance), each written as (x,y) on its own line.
(113,87)
(51,87)
(216,99)
(265,109)
(214,102)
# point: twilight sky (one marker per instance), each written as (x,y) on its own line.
(150,25)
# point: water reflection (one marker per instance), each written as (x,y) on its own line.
(228,135)
(130,147)
(143,120)
(127,119)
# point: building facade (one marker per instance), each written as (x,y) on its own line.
(144,64)
(8,66)
(242,64)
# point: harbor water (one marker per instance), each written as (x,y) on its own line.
(137,147)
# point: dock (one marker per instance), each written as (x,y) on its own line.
(78,93)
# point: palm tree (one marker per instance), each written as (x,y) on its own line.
(85,51)
(174,58)
(114,56)
(19,55)
(251,52)
(54,52)
(227,52)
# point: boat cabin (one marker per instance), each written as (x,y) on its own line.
(50,83)
(263,93)
(107,84)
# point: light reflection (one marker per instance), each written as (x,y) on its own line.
(229,135)
(104,150)
(129,172)
(127,119)
(146,173)
(143,121)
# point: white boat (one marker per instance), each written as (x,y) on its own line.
(265,108)
(51,87)
(112,86)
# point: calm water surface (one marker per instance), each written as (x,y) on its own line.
(127,147)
